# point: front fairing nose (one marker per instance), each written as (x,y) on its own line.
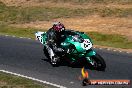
(86,45)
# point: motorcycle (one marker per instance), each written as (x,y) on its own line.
(78,48)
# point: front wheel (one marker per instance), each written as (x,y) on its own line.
(99,63)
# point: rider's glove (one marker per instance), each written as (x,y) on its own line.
(60,50)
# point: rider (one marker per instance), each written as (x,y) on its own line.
(55,36)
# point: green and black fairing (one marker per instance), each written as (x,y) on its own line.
(75,45)
(78,46)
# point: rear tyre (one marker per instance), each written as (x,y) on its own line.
(99,62)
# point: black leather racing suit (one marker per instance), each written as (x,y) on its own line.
(54,39)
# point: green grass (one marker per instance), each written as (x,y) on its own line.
(12,14)
(19,32)
(112,40)
(11,81)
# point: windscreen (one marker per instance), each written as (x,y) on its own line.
(77,38)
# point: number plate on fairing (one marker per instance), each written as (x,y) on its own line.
(86,44)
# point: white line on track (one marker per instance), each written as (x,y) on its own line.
(29,38)
(120,51)
(13,36)
(114,50)
(6,35)
(31,78)
(18,37)
(100,48)
(108,49)
(21,37)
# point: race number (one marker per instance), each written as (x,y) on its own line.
(86,44)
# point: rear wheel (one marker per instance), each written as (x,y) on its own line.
(99,63)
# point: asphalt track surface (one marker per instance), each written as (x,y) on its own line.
(25,56)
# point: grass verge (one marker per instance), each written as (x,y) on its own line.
(11,81)
(112,40)
(19,32)
(91,1)
(12,14)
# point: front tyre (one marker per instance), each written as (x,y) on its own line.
(99,62)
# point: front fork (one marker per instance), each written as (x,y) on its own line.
(89,55)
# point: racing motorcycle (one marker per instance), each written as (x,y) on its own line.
(78,48)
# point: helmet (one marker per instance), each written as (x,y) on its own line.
(58,27)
